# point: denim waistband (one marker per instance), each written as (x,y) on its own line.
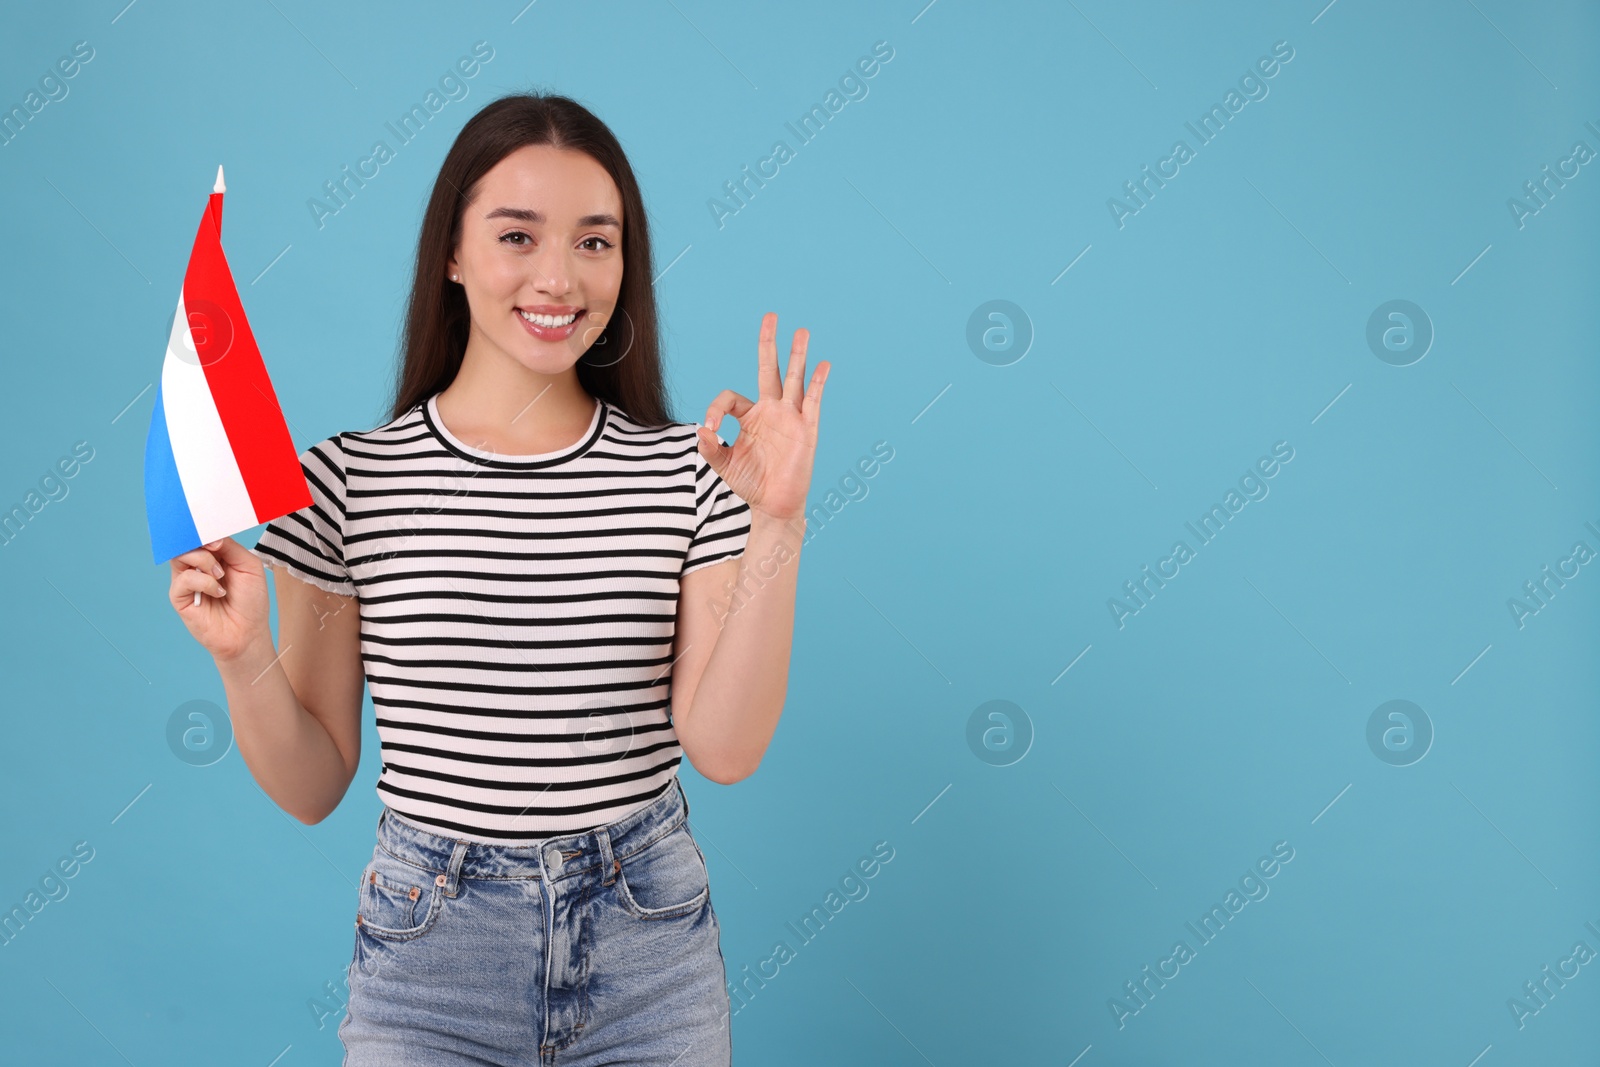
(556,857)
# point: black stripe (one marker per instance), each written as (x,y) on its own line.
(382,704)
(532,781)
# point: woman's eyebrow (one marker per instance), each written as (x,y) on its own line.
(530,216)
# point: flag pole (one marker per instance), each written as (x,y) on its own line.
(214,206)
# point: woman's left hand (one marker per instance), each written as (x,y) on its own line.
(769,463)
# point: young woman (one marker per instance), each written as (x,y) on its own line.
(554,592)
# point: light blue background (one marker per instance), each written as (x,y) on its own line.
(1227,315)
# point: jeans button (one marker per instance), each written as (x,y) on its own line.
(553,860)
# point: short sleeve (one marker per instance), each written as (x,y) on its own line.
(309,543)
(722,518)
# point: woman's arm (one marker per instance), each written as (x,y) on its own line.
(297,713)
(736,619)
(735,631)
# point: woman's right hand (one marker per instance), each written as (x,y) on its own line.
(232,614)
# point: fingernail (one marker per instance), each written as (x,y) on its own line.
(223,592)
(214,544)
(217,570)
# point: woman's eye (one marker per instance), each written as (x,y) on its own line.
(507,237)
(602,240)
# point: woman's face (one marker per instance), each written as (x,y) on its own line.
(543,238)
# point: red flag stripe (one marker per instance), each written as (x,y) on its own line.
(240,388)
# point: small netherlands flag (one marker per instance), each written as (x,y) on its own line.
(218,459)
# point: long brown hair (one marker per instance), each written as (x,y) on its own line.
(623,365)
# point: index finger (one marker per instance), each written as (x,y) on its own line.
(198,558)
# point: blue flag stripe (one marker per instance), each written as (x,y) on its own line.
(172,530)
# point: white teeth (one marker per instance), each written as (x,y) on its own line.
(548,320)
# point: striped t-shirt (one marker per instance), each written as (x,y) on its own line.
(517,612)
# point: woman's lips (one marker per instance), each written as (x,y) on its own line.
(550,333)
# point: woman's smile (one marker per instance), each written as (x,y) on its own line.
(549,325)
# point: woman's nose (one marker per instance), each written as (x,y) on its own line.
(551,272)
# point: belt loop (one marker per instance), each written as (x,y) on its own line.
(682,793)
(458,856)
(608,863)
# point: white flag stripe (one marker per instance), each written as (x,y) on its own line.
(215,488)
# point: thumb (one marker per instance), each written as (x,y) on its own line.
(712,448)
(231,553)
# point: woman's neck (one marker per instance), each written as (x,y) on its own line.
(524,414)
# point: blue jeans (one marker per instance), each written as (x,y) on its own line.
(583,949)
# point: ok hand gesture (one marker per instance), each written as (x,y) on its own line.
(769,464)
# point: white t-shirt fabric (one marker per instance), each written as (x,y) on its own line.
(517,612)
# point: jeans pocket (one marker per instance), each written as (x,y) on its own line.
(399,901)
(665,880)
